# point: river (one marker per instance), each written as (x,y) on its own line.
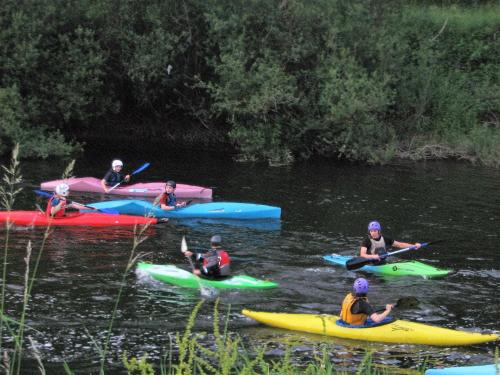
(325,208)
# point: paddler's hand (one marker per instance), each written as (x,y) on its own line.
(188,253)
(197,272)
(126,178)
(389,307)
(178,205)
(417,245)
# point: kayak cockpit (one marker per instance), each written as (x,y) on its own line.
(368,324)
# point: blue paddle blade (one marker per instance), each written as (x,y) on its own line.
(43,193)
(141,168)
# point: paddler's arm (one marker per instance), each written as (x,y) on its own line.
(196,257)
(103,184)
(377,318)
(363,253)
(402,245)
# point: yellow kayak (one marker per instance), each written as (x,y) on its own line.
(398,331)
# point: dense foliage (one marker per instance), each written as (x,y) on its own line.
(278,80)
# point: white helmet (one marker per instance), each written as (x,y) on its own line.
(62,189)
(116,163)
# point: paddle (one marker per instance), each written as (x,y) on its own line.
(103,210)
(204,290)
(358,262)
(403,302)
(138,170)
(184,248)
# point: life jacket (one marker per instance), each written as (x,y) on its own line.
(60,213)
(378,246)
(217,261)
(345,313)
(168,199)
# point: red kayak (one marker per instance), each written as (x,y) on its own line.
(92,219)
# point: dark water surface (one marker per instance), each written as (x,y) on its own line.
(326,208)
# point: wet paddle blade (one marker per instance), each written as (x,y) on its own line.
(141,168)
(184,246)
(358,262)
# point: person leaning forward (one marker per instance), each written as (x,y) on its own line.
(214,263)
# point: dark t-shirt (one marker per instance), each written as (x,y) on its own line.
(368,244)
(112,178)
(362,307)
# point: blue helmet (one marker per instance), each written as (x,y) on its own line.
(374,225)
(361,286)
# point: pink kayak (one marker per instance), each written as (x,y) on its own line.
(149,189)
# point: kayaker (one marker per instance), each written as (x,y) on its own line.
(57,204)
(375,245)
(214,263)
(167,199)
(114,176)
(356,308)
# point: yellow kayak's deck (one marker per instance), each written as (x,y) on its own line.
(399,331)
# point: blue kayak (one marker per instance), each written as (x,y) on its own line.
(212,210)
(465,370)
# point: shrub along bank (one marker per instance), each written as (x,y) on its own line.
(277,80)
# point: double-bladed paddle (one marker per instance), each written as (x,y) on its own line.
(103,210)
(138,170)
(358,262)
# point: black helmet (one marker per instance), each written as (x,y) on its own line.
(171,183)
(216,239)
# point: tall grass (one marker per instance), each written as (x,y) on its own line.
(139,237)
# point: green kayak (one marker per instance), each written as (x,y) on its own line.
(173,275)
(407,268)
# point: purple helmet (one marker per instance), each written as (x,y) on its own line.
(361,286)
(374,225)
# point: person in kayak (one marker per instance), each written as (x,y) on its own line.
(375,245)
(114,176)
(167,199)
(57,204)
(214,263)
(356,309)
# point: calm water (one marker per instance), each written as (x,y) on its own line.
(326,208)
